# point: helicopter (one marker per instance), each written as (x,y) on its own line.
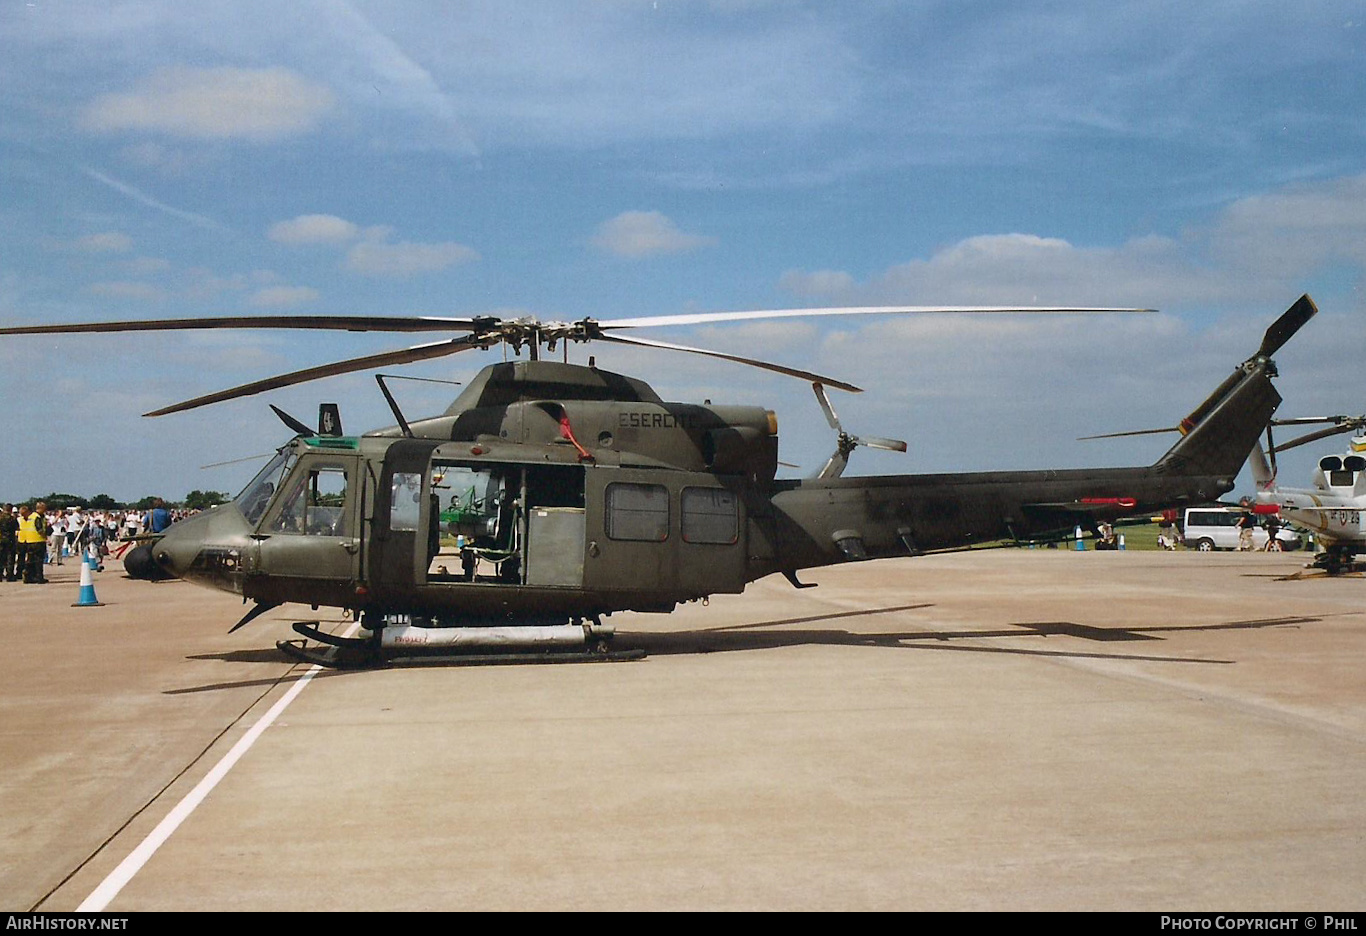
(1333,507)
(550,495)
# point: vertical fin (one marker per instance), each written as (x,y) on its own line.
(1218,436)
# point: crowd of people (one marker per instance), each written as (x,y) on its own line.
(34,537)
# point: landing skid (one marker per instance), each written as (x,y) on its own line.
(1328,564)
(1335,562)
(340,652)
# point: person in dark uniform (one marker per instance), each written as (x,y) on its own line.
(1273,530)
(9,544)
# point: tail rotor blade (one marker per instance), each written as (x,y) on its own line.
(1285,327)
(888,445)
(834,468)
(826,408)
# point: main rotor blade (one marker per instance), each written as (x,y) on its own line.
(355,323)
(237,461)
(1315,436)
(1285,327)
(1135,432)
(1311,420)
(703,318)
(404,356)
(776,368)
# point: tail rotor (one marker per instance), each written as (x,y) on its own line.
(845,442)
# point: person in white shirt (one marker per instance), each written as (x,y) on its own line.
(74,524)
(56,538)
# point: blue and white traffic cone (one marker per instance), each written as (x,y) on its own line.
(87,598)
(1080,546)
(1121,541)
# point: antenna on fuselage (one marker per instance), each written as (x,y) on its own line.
(393,404)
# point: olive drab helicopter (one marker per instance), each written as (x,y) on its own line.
(550,495)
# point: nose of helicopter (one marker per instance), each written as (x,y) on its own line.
(207,549)
(175,552)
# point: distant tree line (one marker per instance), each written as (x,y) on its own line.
(195,500)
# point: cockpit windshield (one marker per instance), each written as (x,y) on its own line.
(256,496)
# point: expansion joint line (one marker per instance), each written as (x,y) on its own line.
(99,849)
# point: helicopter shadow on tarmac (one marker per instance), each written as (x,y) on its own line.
(758,637)
(779,634)
(256,655)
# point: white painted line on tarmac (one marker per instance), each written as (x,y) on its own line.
(109,888)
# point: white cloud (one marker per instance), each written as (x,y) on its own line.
(260,105)
(106,242)
(374,254)
(1295,230)
(283,297)
(147,266)
(166,160)
(123,289)
(201,284)
(1004,269)
(645,233)
(1259,246)
(313,229)
(379,258)
(817,284)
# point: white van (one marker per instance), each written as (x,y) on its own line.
(1211,528)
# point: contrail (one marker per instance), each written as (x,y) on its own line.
(149,201)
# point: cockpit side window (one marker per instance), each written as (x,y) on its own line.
(315,503)
(256,496)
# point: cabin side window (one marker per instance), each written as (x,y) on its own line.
(405,502)
(637,512)
(710,515)
(315,504)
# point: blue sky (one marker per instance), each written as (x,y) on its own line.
(626,158)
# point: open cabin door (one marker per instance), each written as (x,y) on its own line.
(507,523)
(457,522)
(556,525)
(400,526)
